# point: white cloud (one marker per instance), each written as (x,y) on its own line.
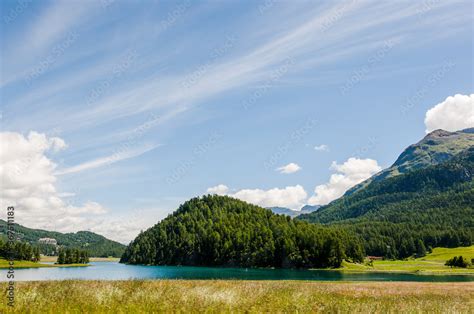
(350,173)
(291,196)
(118,156)
(453,114)
(57,144)
(220,189)
(125,227)
(28,182)
(322,148)
(290,168)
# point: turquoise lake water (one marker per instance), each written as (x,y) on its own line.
(116,271)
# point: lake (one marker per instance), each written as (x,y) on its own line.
(116,271)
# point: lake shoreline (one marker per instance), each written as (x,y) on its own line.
(4,264)
(48,261)
(116,271)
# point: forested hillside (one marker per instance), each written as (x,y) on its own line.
(222,231)
(96,245)
(436,147)
(434,204)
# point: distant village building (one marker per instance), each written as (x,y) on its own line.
(375,258)
(48,241)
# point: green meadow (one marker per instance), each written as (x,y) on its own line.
(433,263)
(228,296)
(28,264)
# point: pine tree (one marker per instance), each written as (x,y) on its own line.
(420,249)
(69,258)
(37,256)
(61,257)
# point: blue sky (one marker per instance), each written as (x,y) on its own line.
(116,112)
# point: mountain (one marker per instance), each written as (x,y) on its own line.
(307,209)
(222,231)
(436,147)
(293,213)
(427,195)
(96,245)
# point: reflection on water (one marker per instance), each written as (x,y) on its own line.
(116,271)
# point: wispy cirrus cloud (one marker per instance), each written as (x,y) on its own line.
(108,160)
(324,32)
(318,38)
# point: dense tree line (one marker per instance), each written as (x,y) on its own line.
(433,204)
(72,256)
(402,240)
(222,231)
(95,244)
(458,261)
(19,251)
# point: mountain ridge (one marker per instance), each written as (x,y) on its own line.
(432,203)
(96,244)
(435,147)
(306,209)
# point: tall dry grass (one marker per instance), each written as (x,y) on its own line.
(239,296)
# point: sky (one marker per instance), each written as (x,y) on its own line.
(115,112)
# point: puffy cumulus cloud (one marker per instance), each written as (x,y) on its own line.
(453,114)
(348,174)
(220,189)
(290,168)
(28,182)
(291,196)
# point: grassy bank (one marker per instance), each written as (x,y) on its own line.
(27,264)
(238,296)
(432,263)
(91,259)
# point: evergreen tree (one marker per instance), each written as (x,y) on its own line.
(61,257)
(69,257)
(37,256)
(420,249)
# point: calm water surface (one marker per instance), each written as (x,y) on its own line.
(116,271)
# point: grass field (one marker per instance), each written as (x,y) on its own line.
(432,263)
(91,259)
(27,264)
(238,296)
